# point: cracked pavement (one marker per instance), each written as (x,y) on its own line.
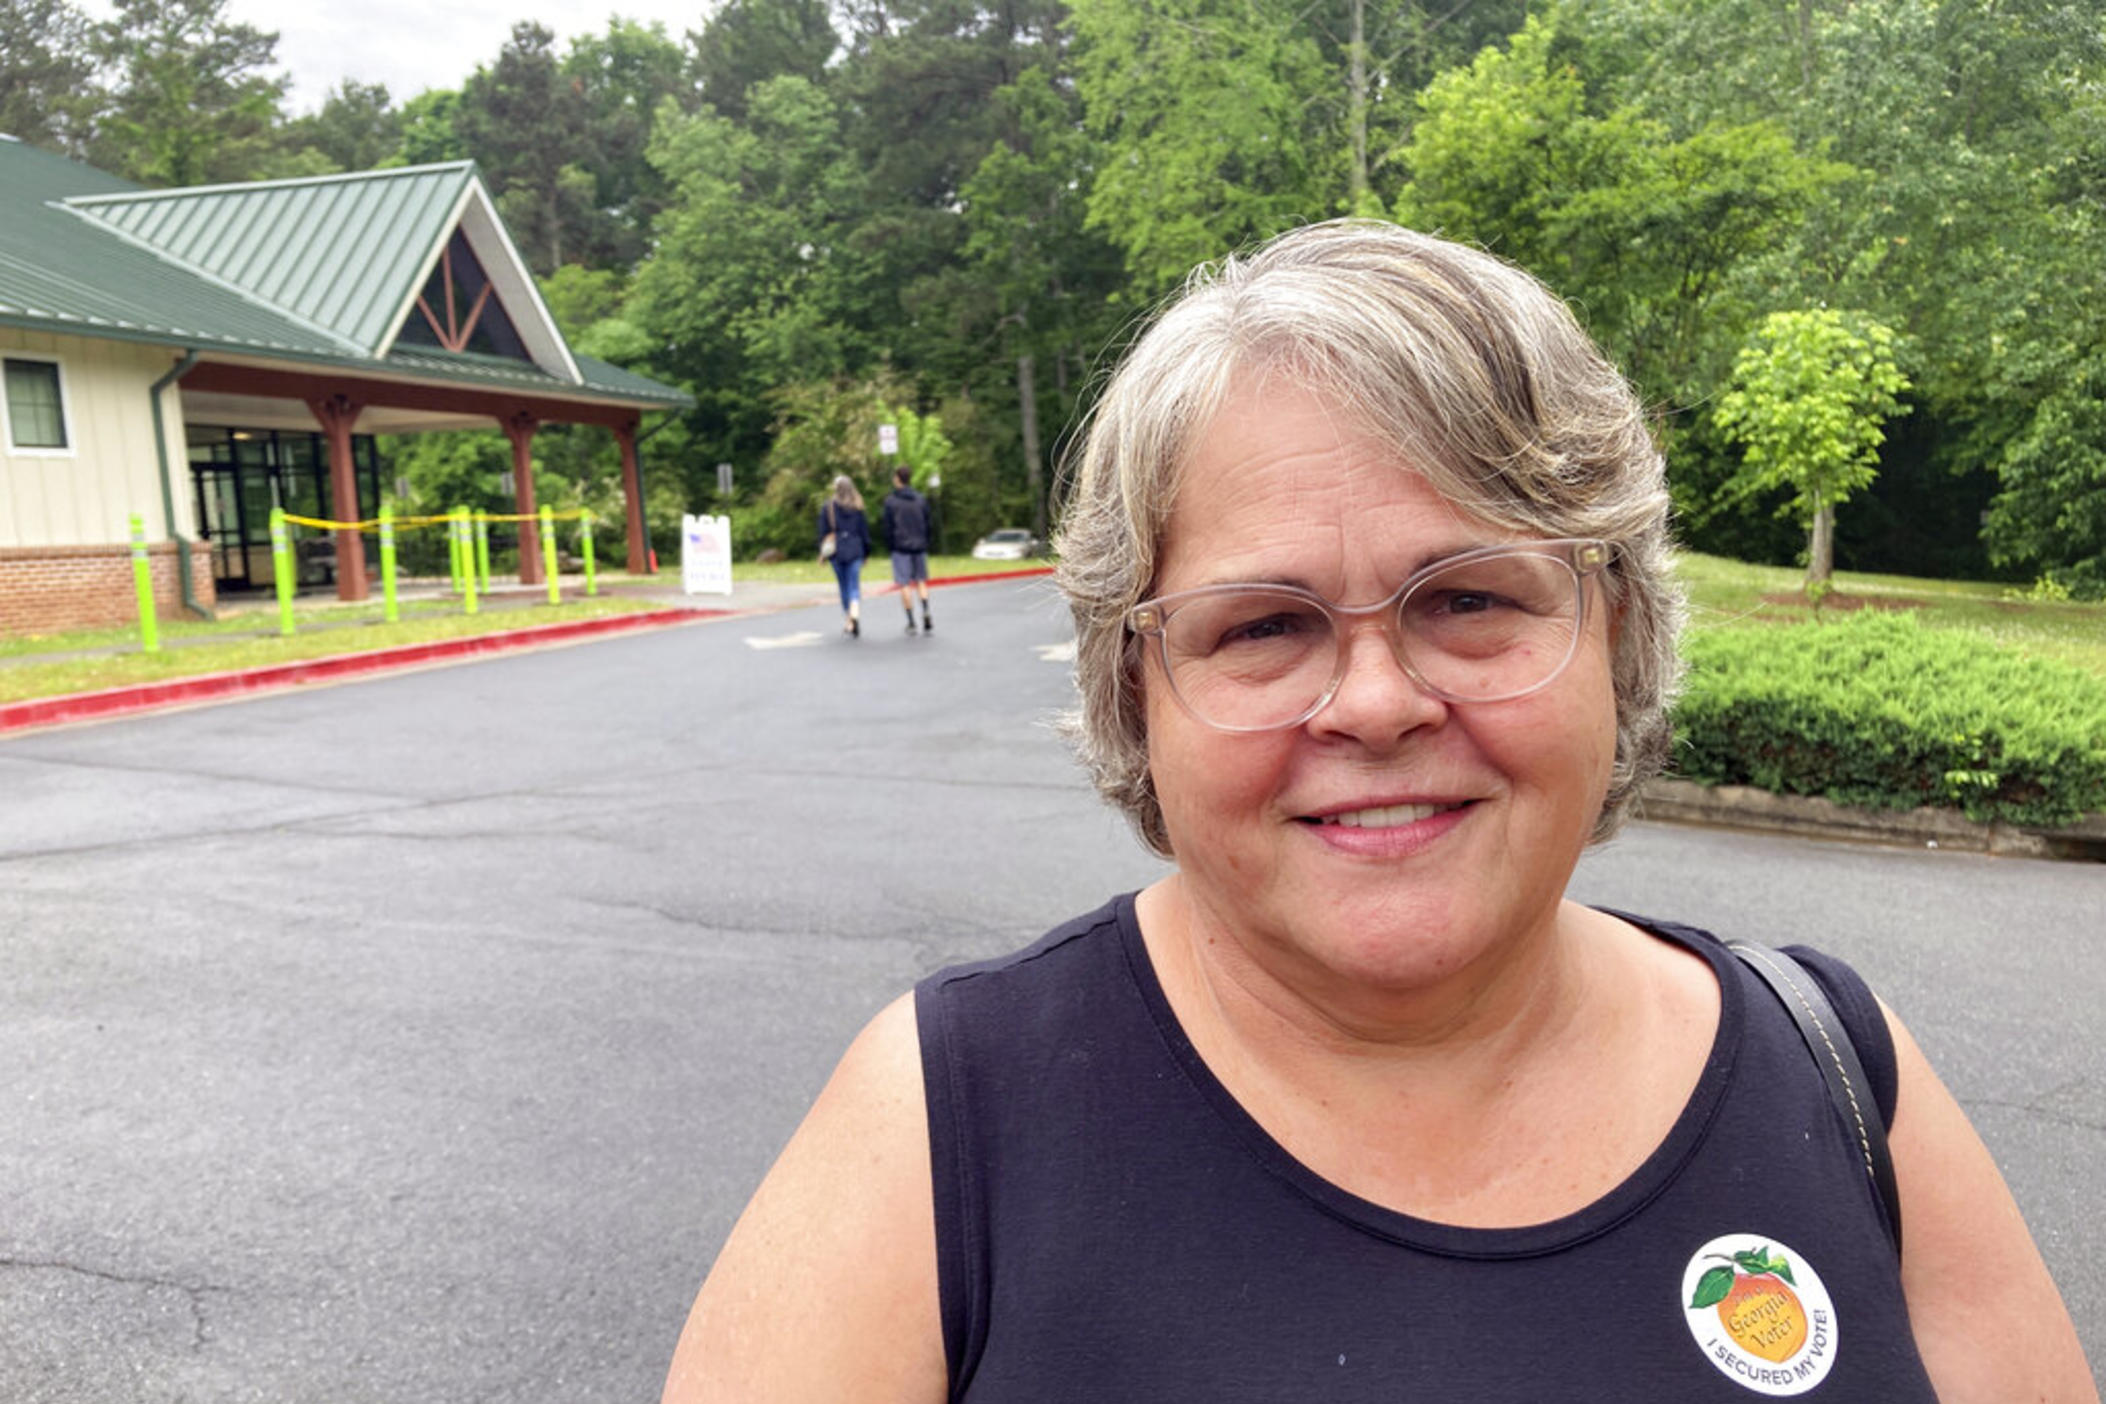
(419,1038)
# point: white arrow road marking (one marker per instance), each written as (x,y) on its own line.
(800,640)
(1057,653)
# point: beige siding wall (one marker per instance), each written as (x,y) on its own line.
(84,497)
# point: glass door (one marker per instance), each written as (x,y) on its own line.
(219,522)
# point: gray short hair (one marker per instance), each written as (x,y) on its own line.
(1476,374)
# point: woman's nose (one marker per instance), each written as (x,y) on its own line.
(1377,701)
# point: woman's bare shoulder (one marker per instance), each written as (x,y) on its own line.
(826,1288)
(1997,1330)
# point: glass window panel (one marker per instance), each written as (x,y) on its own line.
(35,413)
(209,444)
(256,504)
(468,276)
(307,494)
(439,318)
(300,450)
(416,330)
(495,335)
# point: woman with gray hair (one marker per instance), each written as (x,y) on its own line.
(1367,552)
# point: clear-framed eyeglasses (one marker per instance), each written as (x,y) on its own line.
(1488,625)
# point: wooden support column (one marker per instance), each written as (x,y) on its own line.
(519,428)
(336,414)
(632,499)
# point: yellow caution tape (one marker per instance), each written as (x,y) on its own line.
(328,526)
(573,515)
(570,516)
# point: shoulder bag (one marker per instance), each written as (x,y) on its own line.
(1837,1059)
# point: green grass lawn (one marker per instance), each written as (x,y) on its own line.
(250,639)
(1725,594)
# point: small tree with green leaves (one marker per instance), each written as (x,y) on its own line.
(1809,395)
(923,446)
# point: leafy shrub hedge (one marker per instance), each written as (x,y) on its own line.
(1876,710)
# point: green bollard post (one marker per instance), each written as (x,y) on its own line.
(482,549)
(592,581)
(460,526)
(143,583)
(282,570)
(548,554)
(453,551)
(388,610)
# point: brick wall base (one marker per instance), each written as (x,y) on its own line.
(46,589)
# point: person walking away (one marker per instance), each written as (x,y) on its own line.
(844,540)
(909,524)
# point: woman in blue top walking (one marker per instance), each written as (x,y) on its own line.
(842,523)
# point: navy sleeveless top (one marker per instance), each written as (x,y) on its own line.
(1111,1225)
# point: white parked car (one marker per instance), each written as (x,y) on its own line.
(1008,544)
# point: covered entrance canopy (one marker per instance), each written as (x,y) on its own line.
(337,306)
(273,397)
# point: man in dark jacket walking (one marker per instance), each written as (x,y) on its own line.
(909,525)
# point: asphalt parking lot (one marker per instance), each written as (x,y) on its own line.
(418,1039)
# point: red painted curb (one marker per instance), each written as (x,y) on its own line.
(140,697)
(888,587)
(992,575)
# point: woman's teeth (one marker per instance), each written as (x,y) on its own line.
(1388,817)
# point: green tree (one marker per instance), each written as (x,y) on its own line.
(744,289)
(429,134)
(45,68)
(2050,515)
(1810,394)
(524,123)
(188,100)
(1967,227)
(1379,59)
(1643,231)
(747,42)
(622,76)
(444,471)
(1044,279)
(578,296)
(356,128)
(1205,109)
(923,446)
(823,429)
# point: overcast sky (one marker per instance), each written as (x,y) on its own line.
(411,45)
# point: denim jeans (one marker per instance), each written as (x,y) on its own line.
(849,574)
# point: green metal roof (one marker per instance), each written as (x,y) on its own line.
(59,272)
(339,253)
(599,380)
(308,271)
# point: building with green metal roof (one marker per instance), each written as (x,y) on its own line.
(194,355)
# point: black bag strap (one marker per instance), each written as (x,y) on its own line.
(1836,1056)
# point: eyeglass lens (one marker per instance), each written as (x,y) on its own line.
(1477,630)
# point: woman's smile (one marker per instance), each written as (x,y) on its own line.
(1388,816)
(1389,831)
